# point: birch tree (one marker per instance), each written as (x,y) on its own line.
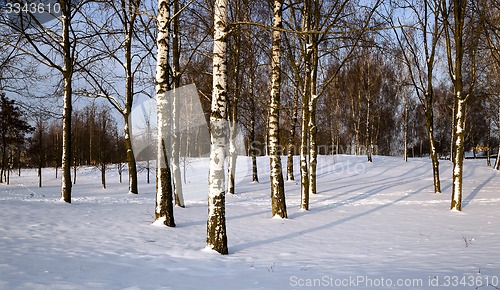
(216,224)
(252,149)
(454,17)
(38,138)
(497,161)
(116,38)
(249,112)
(55,46)
(164,193)
(233,104)
(405,124)
(177,97)
(293,48)
(321,20)
(313,57)
(67,71)
(307,46)
(292,132)
(243,52)
(420,61)
(129,12)
(367,77)
(176,104)
(276,173)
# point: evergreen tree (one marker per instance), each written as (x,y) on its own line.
(13,129)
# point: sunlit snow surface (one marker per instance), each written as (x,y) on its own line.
(378,221)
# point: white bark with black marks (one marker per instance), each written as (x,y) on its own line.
(455,50)
(68,106)
(497,162)
(164,192)
(458,164)
(216,223)
(304,138)
(276,173)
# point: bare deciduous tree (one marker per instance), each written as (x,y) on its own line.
(420,61)
(455,16)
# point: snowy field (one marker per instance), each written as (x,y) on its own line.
(371,226)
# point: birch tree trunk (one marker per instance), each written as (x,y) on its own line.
(455,56)
(216,223)
(488,140)
(176,170)
(304,138)
(132,167)
(129,12)
(233,120)
(405,127)
(357,124)
(497,162)
(313,100)
(291,138)
(164,205)
(429,123)
(456,197)
(430,54)
(276,174)
(335,130)
(368,131)
(233,153)
(453,127)
(365,80)
(40,147)
(75,161)
(421,75)
(251,133)
(255,175)
(236,92)
(313,147)
(432,147)
(68,107)
(56,149)
(304,177)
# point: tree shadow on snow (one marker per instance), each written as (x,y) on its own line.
(395,180)
(476,191)
(252,244)
(228,218)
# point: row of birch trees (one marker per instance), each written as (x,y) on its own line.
(296,78)
(459,24)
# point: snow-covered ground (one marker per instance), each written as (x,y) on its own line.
(370,226)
